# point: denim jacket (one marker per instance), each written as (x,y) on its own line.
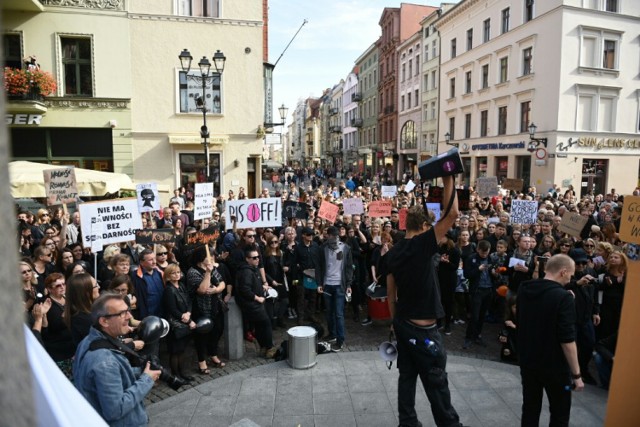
(108,382)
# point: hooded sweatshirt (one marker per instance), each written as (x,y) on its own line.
(546,319)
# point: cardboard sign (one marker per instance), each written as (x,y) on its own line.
(150,237)
(435,208)
(203,200)
(205,236)
(409,186)
(380,208)
(328,211)
(487,186)
(524,211)
(119,219)
(513,184)
(295,210)
(389,191)
(630,220)
(572,223)
(353,206)
(402,223)
(60,186)
(148,198)
(251,213)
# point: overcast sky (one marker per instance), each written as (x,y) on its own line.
(326,48)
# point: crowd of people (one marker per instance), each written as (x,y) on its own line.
(293,273)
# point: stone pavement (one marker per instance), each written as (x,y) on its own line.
(355,388)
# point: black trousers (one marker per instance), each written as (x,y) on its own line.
(558,389)
(416,360)
(262,326)
(480,300)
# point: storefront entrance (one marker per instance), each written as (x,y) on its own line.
(594,177)
(502,167)
(523,171)
(193,169)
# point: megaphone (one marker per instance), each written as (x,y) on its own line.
(444,164)
(388,352)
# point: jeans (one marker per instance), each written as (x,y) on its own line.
(533,382)
(334,306)
(480,301)
(414,360)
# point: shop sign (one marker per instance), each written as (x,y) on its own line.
(498,146)
(23,119)
(599,143)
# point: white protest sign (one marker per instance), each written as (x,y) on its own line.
(60,186)
(148,198)
(119,220)
(252,213)
(435,208)
(389,190)
(96,230)
(203,204)
(409,186)
(487,186)
(353,206)
(524,211)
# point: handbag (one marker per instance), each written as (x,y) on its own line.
(179,329)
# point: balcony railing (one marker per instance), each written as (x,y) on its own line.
(333,111)
(389,109)
(356,123)
(336,129)
(356,97)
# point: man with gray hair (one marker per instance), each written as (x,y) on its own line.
(102,373)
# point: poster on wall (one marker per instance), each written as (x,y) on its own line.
(252,213)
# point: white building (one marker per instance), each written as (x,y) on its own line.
(350,97)
(569,66)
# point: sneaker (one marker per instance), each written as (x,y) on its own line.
(459,322)
(447,330)
(366,322)
(467,344)
(330,338)
(480,342)
(290,314)
(337,347)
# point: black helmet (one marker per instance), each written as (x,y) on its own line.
(152,328)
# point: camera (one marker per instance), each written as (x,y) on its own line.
(154,363)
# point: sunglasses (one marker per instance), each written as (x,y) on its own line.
(162,254)
(275,242)
(581,263)
(250,236)
(62,285)
(253,257)
(589,246)
(45,215)
(26,271)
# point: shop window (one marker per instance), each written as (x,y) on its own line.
(193,169)
(204,8)
(481,164)
(502,167)
(191,93)
(12,51)
(76,65)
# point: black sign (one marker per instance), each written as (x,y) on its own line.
(149,237)
(295,210)
(203,236)
(436,194)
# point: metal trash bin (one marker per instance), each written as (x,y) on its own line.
(302,347)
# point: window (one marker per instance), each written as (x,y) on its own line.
(425,112)
(452,128)
(452,88)
(528,10)
(484,117)
(505,20)
(425,83)
(192,169)
(485,76)
(416,97)
(467,82)
(417,64)
(404,72)
(434,81)
(467,125)
(611,5)
(402,103)
(76,63)
(408,135)
(409,100)
(504,69)
(410,68)
(486,30)
(191,93)
(599,48)
(426,53)
(12,50)
(597,108)
(527,60)
(207,8)
(470,39)
(525,111)
(434,48)
(453,48)
(502,120)
(433,110)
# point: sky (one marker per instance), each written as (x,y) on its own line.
(325,50)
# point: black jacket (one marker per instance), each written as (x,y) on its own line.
(306,257)
(248,286)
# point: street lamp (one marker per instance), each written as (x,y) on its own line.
(283,111)
(533,141)
(447,139)
(204,78)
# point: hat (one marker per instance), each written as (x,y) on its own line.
(579,255)
(308,231)
(542,210)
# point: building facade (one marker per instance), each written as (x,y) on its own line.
(567,66)
(367,65)
(409,103)
(351,98)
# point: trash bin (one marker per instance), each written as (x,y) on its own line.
(302,347)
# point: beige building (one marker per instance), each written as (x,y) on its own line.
(123,103)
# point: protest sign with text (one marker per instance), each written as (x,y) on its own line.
(524,212)
(435,208)
(148,198)
(380,208)
(572,223)
(205,236)
(251,213)
(389,191)
(328,211)
(150,237)
(409,186)
(487,186)
(60,186)
(203,200)
(295,210)
(352,206)
(630,220)
(514,184)
(119,219)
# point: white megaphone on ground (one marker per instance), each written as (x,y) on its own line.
(389,352)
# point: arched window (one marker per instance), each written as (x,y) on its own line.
(408,135)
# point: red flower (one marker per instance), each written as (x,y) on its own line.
(19,82)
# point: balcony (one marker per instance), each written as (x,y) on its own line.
(335,129)
(389,109)
(356,97)
(356,123)
(333,111)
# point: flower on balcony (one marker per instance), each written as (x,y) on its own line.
(22,82)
